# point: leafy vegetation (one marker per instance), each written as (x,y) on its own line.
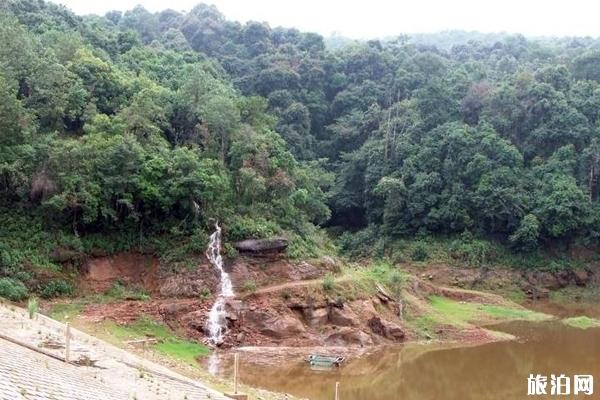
(32,307)
(137,130)
(12,289)
(120,291)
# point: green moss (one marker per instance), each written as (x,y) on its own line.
(582,322)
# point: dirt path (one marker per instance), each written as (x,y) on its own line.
(295,284)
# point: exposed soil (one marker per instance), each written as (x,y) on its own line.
(290,308)
(129,268)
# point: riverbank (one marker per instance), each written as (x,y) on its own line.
(285,310)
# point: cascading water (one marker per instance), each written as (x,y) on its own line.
(216,318)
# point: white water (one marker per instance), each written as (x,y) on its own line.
(217,325)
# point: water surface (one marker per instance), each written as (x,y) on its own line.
(419,372)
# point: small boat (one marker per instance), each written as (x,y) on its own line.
(318,361)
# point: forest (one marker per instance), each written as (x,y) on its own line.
(141,129)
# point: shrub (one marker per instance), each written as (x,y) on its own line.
(420,252)
(361,244)
(56,288)
(395,280)
(241,228)
(286,294)
(473,252)
(328,282)
(119,291)
(32,307)
(526,237)
(249,286)
(12,289)
(204,293)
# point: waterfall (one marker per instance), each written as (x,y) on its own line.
(217,325)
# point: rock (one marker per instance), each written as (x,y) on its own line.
(563,278)
(231,317)
(343,317)
(274,245)
(581,276)
(544,279)
(329,261)
(61,255)
(316,316)
(535,293)
(276,326)
(283,327)
(195,320)
(386,329)
(234,306)
(172,309)
(347,335)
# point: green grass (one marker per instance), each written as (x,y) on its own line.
(120,291)
(463,312)
(582,322)
(182,350)
(502,312)
(454,310)
(65,311)
(168,343)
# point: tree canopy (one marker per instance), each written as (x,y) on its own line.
(150,121)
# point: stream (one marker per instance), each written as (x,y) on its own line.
(427,371)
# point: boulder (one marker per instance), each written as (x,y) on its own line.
(275,326)
(343,317)
(346,335)
(581,276)
(169,310)
(386,329)
(316,316)
(274,245)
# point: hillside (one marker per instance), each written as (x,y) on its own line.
(137,130)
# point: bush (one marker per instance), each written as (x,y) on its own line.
(473,252)
(526,237)
(12,289)
(56,289)
(328,283)
(361,244)
(119,291)
(286,294)
(420,252)
(249,286)
(205,293)
(32,307)
(241,228)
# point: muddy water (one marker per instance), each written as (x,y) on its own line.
(420,372)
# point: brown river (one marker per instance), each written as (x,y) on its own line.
(495,371)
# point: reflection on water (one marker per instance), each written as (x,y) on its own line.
(420,372)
